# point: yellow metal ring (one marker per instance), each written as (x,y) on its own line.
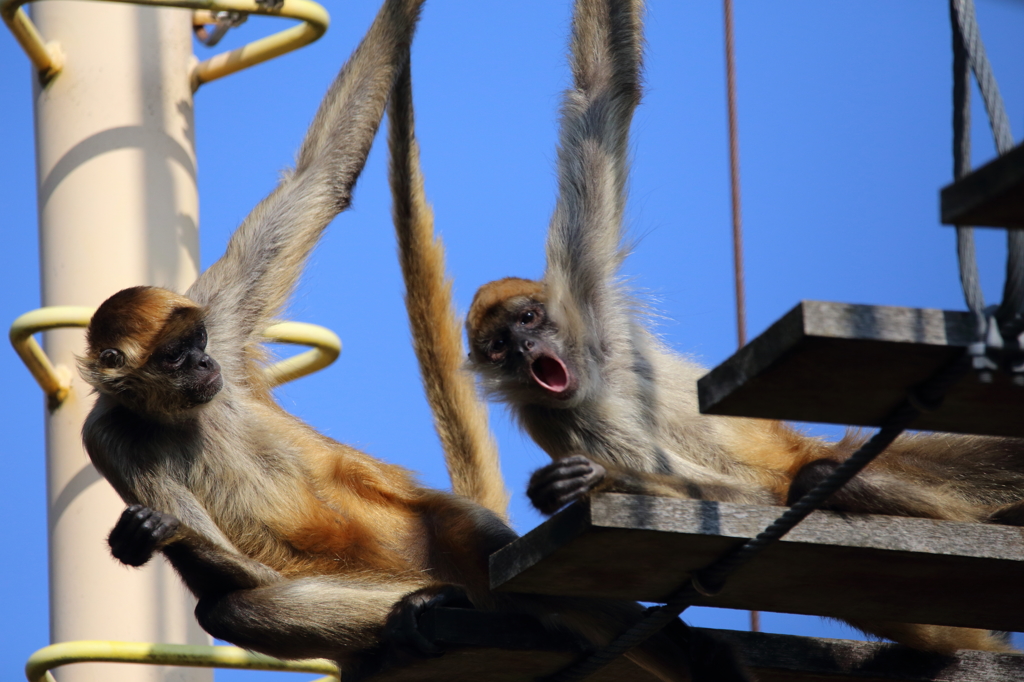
(49,60)
(39,664)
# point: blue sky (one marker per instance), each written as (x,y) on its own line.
(845,140)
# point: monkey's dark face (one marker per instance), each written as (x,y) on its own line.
(518,343)
(147,350)
(185,365)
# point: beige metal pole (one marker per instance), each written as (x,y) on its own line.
(117,207)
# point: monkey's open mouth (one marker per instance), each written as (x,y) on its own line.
(550,373)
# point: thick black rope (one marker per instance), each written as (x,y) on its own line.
(710,580)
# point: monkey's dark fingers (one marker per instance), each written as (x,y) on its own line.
(563,482)
(548,501)
(139,532)
(576,466)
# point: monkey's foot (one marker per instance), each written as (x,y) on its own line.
(139,533)
(402,630)
(1009,515)
(270,4)
(563,481)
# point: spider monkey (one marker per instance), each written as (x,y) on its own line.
(617,410)
(296,545)
(460,417)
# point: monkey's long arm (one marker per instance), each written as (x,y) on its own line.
(584,249)
(250,284)
(459,416)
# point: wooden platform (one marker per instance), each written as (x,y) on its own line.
(491,647)
(852,566)
(785,658)
(505,648)
(853,364)
(992,195)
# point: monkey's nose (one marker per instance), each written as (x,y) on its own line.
(529,344)
(207,364)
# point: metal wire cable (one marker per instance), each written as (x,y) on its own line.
(969,54)
(734,177)
(966,253)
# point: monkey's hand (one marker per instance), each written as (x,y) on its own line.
(139,533)
(402,630)
(563,481)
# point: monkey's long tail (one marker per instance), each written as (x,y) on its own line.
(460,417)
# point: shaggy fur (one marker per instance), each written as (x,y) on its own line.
(584,376)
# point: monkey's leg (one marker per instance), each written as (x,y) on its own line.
(1010,514)
(881,492)
(876,491)
(318,617)
(941,639)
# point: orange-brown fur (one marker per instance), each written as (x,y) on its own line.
(459,416)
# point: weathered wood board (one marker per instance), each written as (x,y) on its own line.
(991,195)
(514,648)
(785,658)
(841,565)
(492,647)
(853,364)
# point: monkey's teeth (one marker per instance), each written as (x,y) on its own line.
(550,373)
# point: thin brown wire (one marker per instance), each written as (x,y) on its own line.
(734,178)
(737,216)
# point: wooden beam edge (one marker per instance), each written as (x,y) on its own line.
(981,186)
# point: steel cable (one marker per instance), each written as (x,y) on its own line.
(969,55)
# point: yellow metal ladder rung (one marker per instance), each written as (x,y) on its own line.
(49,60)
(39,664)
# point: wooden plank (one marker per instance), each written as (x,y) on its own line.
(509,647)
(785,658)
(842,565)
(992,195)
(496,647)
(852,364)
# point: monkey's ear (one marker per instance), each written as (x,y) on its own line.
(112,358)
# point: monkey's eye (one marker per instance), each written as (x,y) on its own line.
(529,317)
(497,347)
(112,357)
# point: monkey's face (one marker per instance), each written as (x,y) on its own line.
(515,347)
(181,362)
(147,350)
